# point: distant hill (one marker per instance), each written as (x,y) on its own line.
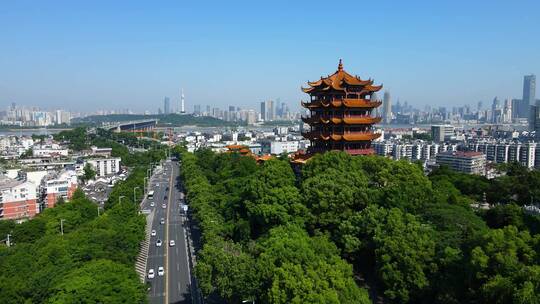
(169,120)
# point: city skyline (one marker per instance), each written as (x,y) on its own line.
(80,56)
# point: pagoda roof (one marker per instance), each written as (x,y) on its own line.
(339,81)
(346,102)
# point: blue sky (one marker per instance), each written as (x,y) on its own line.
(85,55)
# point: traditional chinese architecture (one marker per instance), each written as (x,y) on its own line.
(340,110)
(244,151)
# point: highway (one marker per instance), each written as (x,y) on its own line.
(174,286)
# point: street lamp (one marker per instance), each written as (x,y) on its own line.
(134,188)
(62,226)
(145,181)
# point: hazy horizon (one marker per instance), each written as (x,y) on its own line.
(100,55)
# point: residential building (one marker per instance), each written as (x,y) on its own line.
(105,166)
(49,152)
(442,133)
(466,162)
(18,199)
(57,185)
(105,152)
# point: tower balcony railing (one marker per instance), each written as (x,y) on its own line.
(338,119)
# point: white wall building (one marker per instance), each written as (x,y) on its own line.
(105,166)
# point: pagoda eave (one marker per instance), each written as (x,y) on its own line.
(352,136)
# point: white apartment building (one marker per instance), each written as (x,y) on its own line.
(49,152)
(18,199)
(105,166)
(278,147)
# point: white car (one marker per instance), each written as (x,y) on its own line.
(152,204)
(163,206)
(160,271)
(158,243)
(162,221)
(151,274)
(153,233)
(172,243)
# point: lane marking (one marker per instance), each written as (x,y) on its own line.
(167,239)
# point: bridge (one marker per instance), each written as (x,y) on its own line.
(135,126)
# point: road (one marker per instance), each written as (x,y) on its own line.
(174,259)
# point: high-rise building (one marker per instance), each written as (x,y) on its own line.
(496,111)
(520,108)
(529,89)
(197,109)
(263,110)
(182,102)
(534,120)
(167,105)
(270,110)
(441,133)
(507,111)
(387,108)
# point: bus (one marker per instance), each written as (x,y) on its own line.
(150,194)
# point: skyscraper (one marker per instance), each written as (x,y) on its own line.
(495,110)
(507,111)
(197,109)
(182,103)
(387,108)
(270,110)
(263,110)
(167,105)
(529,89)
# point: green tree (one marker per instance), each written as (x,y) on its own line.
(505,267)
(271,198)
(89,172)
(333,196)
(225,268)
(99,281)
(299,269)
(404,249)
(28,153)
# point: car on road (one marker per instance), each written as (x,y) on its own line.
(162,221)
(158,243)
(152,204)
(165,197)
(163,206)
(151,273)
(160,271)
(153,233)
(172,243)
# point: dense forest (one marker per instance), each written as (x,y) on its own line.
(92,261)
(361,229)
(175,120)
